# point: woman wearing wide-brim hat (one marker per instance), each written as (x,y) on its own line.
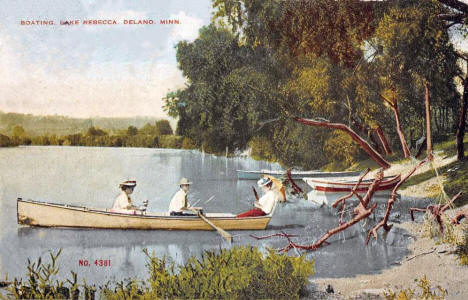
(266,203)
(123,200)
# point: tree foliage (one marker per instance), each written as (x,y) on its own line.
(261,62)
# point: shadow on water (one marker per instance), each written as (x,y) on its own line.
(90,176)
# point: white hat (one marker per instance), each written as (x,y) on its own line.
(129,183)
(184,181)
(263,181)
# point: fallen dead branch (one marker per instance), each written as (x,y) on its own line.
(362,211)
(436,210)
(364,145)
(463,214)
(384,222)
(282,234)
(295,187)
(343,199)
(421,254)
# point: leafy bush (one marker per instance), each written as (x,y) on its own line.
(170,141)
(425,292)
(5,141)
(340,147)
(238,273)
(40,283)
(188,143)
(262,148)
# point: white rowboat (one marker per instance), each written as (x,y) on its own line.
(37,213)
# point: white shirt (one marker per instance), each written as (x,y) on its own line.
(268,201)
(179,201)
(122,201)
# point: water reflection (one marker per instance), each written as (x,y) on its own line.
(90,176)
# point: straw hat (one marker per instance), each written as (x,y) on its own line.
(129,183)
(263,181)
(184,181)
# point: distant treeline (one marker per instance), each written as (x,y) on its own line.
(156,135)
(61,125)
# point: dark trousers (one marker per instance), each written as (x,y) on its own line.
(181,214)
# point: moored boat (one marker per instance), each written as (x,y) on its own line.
(37,213)
(253,175)
(343,185)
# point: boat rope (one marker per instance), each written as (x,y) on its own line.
(442,197)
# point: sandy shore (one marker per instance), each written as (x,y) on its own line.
(435,261)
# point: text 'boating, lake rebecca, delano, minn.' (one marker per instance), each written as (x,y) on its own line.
(99,22)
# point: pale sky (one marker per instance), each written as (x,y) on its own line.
(86,71)
(103,70)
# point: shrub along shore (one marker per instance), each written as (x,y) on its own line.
(237,273)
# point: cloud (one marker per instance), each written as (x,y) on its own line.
(187,29)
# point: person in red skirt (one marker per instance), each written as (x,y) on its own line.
(266,203)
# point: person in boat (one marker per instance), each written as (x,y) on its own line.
(266,203)
(179,201)
(123,200)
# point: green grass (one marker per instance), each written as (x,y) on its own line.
(450,147)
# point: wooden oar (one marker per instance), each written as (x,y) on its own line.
(255,193)
(221,231)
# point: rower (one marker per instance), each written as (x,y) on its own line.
(123,200)
(266,203)
(179,200)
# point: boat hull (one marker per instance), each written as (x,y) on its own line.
(34,213)
(329,186)
(254,175)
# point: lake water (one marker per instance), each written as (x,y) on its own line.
(90,176)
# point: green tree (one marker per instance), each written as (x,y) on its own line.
(18,132)
(93,131)
(132,130)
(163,127)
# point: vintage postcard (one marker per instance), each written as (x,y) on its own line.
(233,149)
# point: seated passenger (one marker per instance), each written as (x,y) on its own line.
(179,200)
(123,200)
(266,203)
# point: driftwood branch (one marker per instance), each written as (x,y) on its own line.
(282,234)
(364,145)
(296,188)
(362,211)
(384,222)
(353,191)
(463,214)
(437,211)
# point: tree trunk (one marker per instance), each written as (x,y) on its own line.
(462,121)
(428,120)
(394,105)
(383,140)
(364,145)
(401,135)
(367,131)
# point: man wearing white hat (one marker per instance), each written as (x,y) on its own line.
(179,200)
(266,203)
(123,200)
